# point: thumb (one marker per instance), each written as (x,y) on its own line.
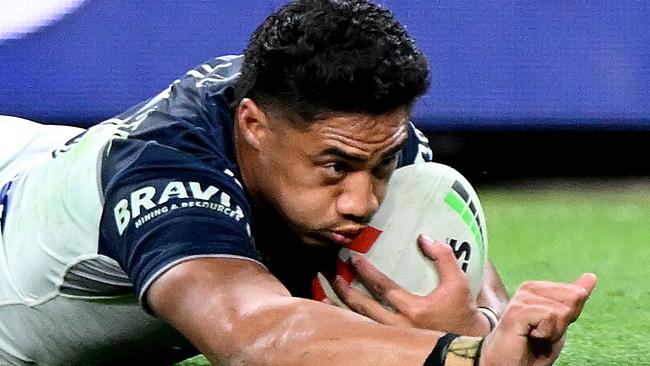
(587,281)
(443,259)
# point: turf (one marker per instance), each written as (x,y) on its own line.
(558,232)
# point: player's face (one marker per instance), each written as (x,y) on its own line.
(328,180)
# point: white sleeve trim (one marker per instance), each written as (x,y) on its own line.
(167,267)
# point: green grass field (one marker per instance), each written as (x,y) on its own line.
(559,232)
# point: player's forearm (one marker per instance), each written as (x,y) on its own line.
(237,313)
(493,294)
(295,331)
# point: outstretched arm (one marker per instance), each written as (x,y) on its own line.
(235,312)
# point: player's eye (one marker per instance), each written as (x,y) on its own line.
(336,169)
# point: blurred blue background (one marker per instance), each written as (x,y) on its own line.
(497,65)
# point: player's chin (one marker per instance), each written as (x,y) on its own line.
(317,239)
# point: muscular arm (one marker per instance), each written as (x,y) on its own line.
(493,294)
(234,311)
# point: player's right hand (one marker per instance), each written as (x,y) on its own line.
(533,327)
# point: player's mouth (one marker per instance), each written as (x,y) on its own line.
(342,237)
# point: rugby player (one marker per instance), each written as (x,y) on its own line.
(196,221)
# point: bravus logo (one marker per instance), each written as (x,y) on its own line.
(147,202)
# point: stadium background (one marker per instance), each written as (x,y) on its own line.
(545,106)
(575,73)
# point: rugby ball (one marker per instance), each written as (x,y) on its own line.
(425,198)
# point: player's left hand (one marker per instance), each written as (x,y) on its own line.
(449,307)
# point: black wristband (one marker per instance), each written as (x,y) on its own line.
(438,356)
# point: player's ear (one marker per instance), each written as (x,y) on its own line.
(252,122)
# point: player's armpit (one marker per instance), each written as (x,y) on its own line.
(234,311)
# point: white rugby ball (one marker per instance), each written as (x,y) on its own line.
(425,198)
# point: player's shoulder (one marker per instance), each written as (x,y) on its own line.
(201,96)
(169,148)
(220,67)
(416,148)
(212,76)
(192,115)
(186,131)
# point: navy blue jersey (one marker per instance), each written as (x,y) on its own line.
(170,178)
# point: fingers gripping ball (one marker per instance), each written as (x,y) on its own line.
(427,198)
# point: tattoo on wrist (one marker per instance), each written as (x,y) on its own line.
(464,351)
(455,350)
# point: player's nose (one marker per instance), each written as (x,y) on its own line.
(358,200)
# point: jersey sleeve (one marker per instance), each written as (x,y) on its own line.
(416,149)
(164,206)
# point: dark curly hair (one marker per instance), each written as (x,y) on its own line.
(313,58)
